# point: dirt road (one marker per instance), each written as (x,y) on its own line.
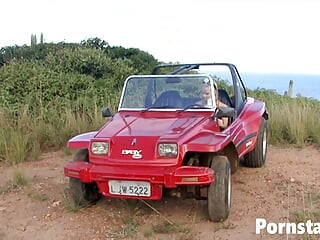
(286,189)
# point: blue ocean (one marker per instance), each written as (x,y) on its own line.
(306,85)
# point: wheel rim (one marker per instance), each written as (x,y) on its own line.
(264,144)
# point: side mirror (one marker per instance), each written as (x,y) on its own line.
(224,112)
(106,112)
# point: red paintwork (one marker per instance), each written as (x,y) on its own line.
(248,122)
(81,141)
(158,176)
(192,131)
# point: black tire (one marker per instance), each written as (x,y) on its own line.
(83,193)
(257,157)
(82,155)
(219,192)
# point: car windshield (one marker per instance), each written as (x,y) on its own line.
(168,92)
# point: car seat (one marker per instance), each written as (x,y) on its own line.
(170,98)
(224,97)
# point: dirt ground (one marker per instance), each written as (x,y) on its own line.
(286,188)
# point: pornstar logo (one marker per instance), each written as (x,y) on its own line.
(287,228)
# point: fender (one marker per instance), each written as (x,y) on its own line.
(213,142)
(81,141)
(207,141)
(246,140)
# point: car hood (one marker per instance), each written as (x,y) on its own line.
(143,131)
(163,125)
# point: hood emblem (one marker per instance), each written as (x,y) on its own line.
(134,141)
(136,154)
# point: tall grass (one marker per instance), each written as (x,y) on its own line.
(291,120)
(26,136)
(295,122)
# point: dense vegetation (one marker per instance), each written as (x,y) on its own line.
(50,92)
(292,120)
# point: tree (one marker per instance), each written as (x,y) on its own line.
(33,40)
(41,38)
(96,43)
(140,60)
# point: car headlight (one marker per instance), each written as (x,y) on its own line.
(100,148)
(168,149)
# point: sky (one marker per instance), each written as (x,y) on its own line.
(269,36)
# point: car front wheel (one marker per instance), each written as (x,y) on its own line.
(83,193)
(219,192)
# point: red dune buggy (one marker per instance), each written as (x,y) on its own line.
(166,135)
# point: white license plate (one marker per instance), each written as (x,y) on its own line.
(129,188)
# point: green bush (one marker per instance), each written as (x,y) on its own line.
(61,79)
(43,102)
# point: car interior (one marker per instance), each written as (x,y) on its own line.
(172,99)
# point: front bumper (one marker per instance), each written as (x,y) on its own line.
(159,177)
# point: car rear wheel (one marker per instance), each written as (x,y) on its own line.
(219,192)
(83,193)
(257,157)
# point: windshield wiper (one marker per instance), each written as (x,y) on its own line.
(158,107)
(194,106)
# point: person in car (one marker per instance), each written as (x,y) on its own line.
(206,96)
(206,100)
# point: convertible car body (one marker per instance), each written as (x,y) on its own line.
(166,137)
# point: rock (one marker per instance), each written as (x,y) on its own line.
(56,203)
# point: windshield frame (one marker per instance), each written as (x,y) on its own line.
(167,109)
